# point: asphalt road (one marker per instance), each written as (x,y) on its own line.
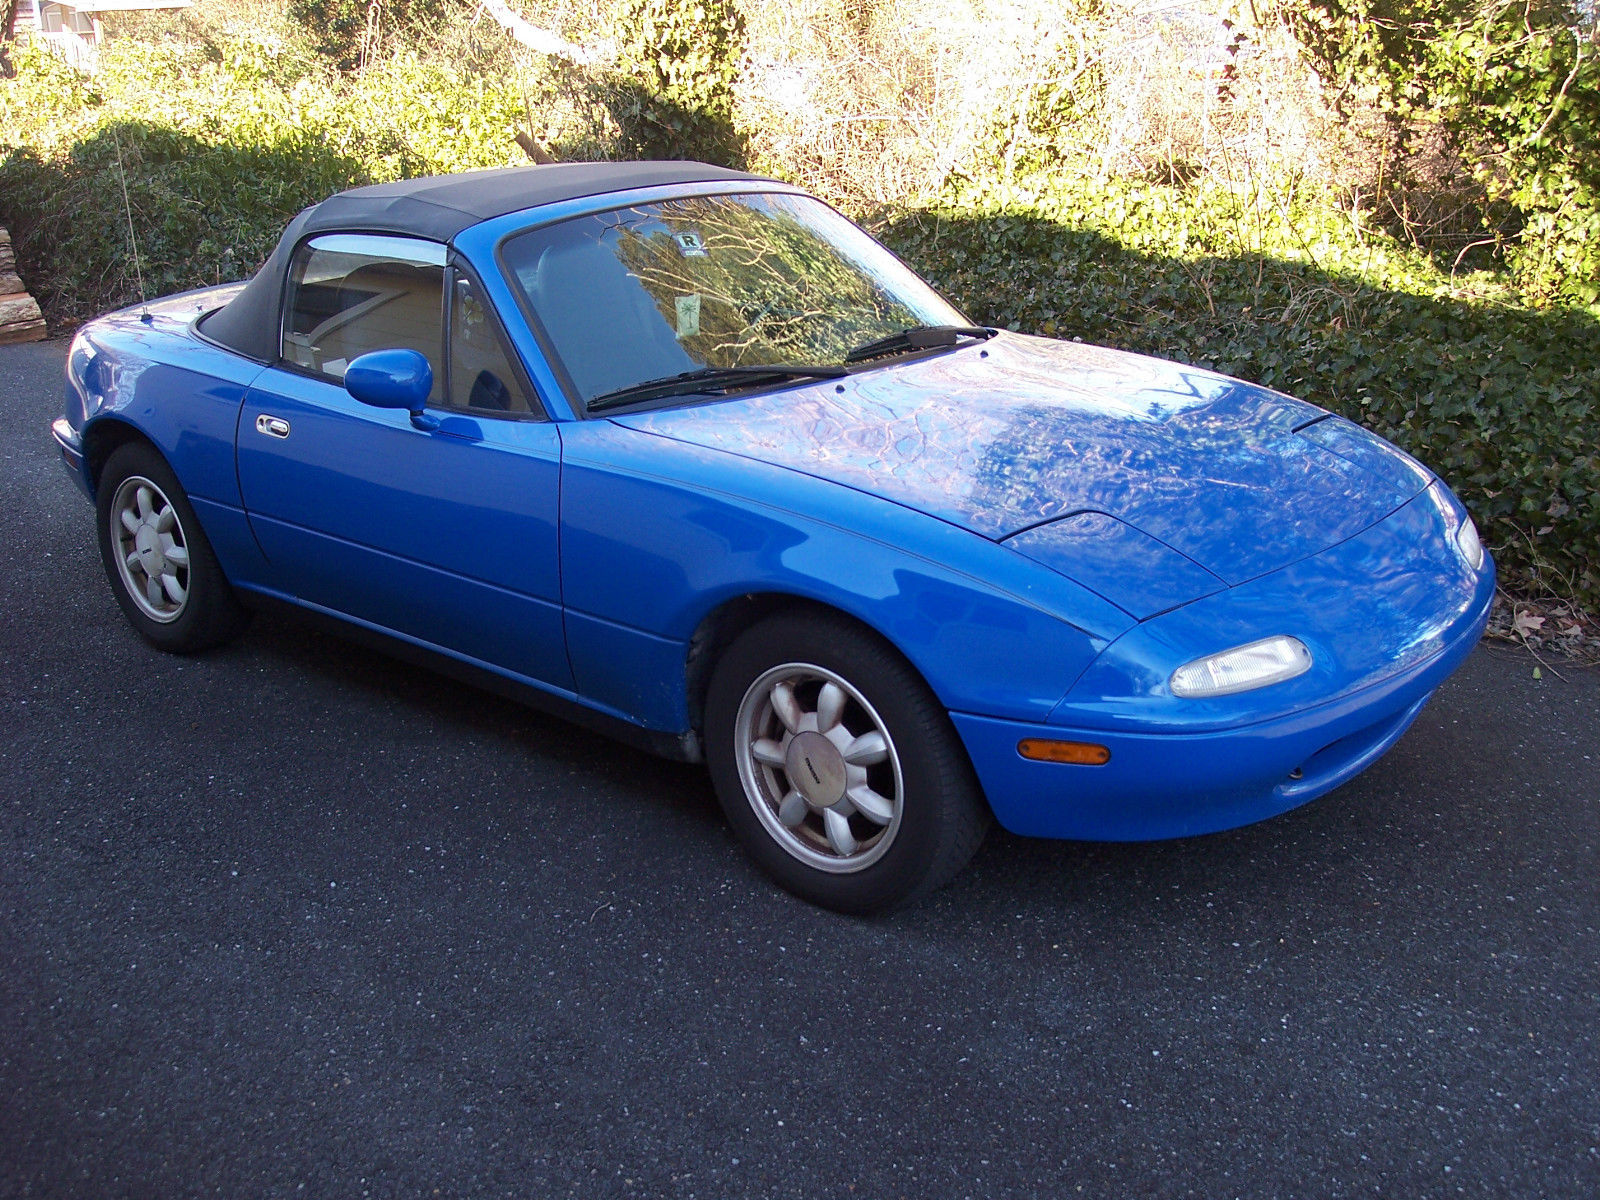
(292,919)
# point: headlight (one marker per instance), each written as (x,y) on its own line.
(1470,544)
(1271,660)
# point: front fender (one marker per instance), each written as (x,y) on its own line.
(657,533)
(180,393)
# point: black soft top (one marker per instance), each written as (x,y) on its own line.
(436,208)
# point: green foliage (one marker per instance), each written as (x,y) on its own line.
(222,138)
(1502,401)
(217,154)
(342,29)
(1044,125)
(1526,82)
(673,93)
(1383,41)
(1514,90)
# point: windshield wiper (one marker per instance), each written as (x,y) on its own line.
(711,379)
(923,337)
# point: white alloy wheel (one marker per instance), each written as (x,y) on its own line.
(152,552)
(836,764)
(819,767)
(161,568)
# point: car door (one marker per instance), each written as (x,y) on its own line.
(447,535)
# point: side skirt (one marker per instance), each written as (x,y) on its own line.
(681,747)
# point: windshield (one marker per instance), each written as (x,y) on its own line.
(641,294)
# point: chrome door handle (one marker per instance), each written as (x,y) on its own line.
(272,426)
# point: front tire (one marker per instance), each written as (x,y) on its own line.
(837,767)
(161,567)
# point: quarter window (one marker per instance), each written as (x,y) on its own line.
(481,378)
(351,293)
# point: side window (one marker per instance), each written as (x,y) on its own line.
(481,377)
(351,293)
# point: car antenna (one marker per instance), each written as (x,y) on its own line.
(133,240)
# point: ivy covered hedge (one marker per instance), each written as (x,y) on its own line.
(1509,91)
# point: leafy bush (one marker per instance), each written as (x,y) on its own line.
(673,93)
(1502,401)
(1526,84)
(1512,92)
(217,154)
(349,31)
(222,139)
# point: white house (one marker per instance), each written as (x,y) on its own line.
(72,27)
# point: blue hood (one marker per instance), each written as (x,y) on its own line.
(1024,431)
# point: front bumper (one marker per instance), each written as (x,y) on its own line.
(1389,615)
(70,444)
(1176,785)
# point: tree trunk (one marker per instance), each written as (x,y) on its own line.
(8,30)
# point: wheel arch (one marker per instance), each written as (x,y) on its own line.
(725,622)
(102,438)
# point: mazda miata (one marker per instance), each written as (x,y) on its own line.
(684,455)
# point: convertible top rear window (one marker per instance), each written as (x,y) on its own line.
(648,292)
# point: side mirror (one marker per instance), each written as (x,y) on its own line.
(392,379)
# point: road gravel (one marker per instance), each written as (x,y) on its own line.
(293,919)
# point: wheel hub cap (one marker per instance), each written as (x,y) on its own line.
(151,555)
(148,544)
(816,768)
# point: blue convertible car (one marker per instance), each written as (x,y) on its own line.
(683,454)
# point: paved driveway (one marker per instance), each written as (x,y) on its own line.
(292,919)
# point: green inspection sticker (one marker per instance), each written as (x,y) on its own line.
(688,315)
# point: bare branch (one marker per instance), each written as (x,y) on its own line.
(1555,107)
(543,40)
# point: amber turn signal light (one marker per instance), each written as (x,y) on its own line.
(1049,750)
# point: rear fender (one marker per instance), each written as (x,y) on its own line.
(128,377)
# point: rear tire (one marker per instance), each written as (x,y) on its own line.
(837,766)
(161,567)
